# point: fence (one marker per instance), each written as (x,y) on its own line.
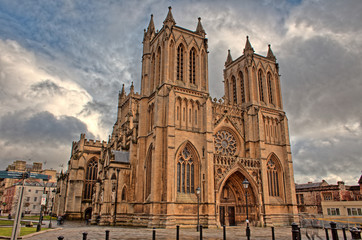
(296,233)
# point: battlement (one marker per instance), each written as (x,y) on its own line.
(94,143)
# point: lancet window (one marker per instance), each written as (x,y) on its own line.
(186,171)
(242,87)
(180,62)
(273,179)
(192,66)
(260,81)
(90,179)
(233,81)
(270,90)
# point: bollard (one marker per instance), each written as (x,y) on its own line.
(177,232)
(224,232)
(85,236)
(334,230)
(154,234)
(107,234)
(200,232)
(295,232)
(344,233)
(299,234)
(327,236)
(273,235)
(60,238)
(355,233)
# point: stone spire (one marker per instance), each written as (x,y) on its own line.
(248,48)
(132,88)
(229,59)
(199,29)
(121,95)
(151,26)
(270,54)
(169,21)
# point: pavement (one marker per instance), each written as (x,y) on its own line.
(73,230)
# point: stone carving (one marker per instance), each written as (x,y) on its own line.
(225,143)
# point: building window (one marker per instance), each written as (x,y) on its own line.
(192,65)
(185,172)
(29,190)
(300,199)
(242,87)
(260,81)
(34,206)
(327,196)
(180,62)
(195,117)
(270,89)
(35,198)
(90,179)
(148,172)
(158,65)
(354,211)
(233,81)
(273,179)
(28,199)
(333,211)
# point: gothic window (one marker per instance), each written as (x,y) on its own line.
(185,172)
(195,117)
(178,112)
(242,87)
(158,66)
(192,65)
(260,81)
(273,179)
(148,171)
(203,70)
(270,91)
(124,194)
(152,80)
(90,179)
(233,80)
(180,62)
(225,143)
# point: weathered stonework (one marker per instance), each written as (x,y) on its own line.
(172,138)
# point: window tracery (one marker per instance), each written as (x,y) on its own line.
(273,179)
(185,172)
(225,143)
(90,179)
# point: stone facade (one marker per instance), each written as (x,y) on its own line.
(173,139)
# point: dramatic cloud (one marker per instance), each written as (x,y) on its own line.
(62,64)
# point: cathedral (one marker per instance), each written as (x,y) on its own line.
(177,156)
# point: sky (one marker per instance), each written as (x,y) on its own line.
(62,64)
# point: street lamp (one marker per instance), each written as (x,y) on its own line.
(198,191)
(246,185)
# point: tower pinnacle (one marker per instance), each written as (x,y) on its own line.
(270,54)
(199,29)
(169,20)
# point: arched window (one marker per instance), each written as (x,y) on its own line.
(90,179)
(233,81)
(260,81)
(158,62)
(273,178)
(180,62)
(186,171)
(192,66)
(152,79)
(124,194)
(148,172)
(270,90)
(242,87)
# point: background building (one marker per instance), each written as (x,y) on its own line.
(173,138)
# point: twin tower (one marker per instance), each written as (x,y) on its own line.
(172,145)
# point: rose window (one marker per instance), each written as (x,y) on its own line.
(225,143)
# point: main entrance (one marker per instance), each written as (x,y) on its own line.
(232,207)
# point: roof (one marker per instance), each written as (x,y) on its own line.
(311,185)
(120,156)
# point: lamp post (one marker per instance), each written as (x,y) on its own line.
(38,226)
(246,185)
(198,190)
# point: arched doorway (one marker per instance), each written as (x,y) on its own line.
(232,207)
(88,213)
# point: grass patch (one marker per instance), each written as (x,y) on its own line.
(6,231)
(11,222)
(37,218)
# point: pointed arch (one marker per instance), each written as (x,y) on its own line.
(158,66)
(148,169)
(242,86)
(90,178)
(124,194)
(192,66)
(187,168)
(270,88)
(180,62)
(274,173)
(233,83)
(260,85)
